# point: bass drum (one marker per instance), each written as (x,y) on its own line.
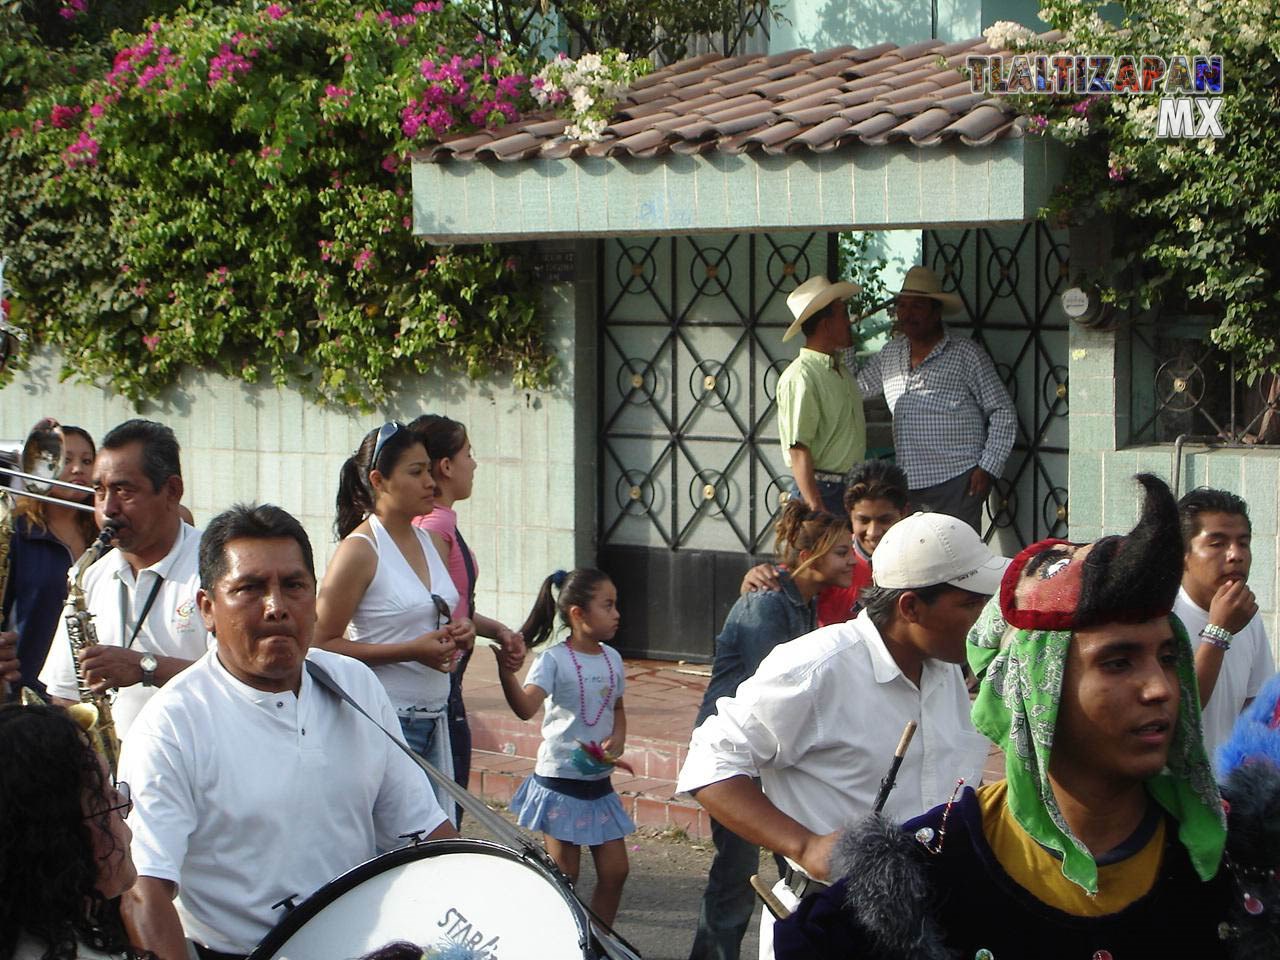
(443,895)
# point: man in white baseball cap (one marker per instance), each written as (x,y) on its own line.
(819,721)
(820,419)
(953,421)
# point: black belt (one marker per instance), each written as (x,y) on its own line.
(204,953)
(801,884)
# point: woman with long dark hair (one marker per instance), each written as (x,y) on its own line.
(64,849)
(47,538)
(387,598)
(453,467)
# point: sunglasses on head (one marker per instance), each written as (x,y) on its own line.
(385,433)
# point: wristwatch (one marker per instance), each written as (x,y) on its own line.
(148,663)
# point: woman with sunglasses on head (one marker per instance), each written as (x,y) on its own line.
(64,849)
(454,469)
(387,596)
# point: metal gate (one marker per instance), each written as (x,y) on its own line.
(690,467)
(1010,279)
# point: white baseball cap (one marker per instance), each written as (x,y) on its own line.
(927,549)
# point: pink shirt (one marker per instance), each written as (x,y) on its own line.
(443,521)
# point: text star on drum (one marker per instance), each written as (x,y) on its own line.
(253,784)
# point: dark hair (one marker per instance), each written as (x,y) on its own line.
(247,521)
(876,480)
(443,438)
(810,326)
(48,866)
(355,492)
(881,603)
(801,529)
(36,510)
(576,590)
(160,450)
(1208,500)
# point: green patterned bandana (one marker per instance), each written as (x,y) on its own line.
(1017,709)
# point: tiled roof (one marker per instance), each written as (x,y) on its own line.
(798,101)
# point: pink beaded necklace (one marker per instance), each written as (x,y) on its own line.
(582,688)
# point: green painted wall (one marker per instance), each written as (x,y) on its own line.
(818,24)
(1104,498)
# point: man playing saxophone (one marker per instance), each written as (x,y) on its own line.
(142,596)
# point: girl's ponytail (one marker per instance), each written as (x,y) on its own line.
(576,590)
(542,618)
(354,501)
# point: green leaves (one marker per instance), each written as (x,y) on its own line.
(256,225)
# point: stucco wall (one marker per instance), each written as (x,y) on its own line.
(532,509)
(1104,498)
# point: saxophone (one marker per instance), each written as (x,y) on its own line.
(93,712)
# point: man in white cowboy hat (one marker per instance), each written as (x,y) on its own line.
(820,419)
(953,421)
(818,722)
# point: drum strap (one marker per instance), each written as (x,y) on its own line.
(471,804)
(612,944)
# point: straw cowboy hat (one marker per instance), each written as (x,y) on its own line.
(923,282)
(813,295)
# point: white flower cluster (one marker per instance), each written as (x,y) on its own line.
(1071,129)
(586,90)
(1008,35)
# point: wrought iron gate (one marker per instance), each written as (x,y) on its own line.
(690,467)
(1009,279)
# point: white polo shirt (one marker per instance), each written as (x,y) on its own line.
(819,721)
(243,798)
(1245,668)
(116,598)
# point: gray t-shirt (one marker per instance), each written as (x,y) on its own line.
(575,711)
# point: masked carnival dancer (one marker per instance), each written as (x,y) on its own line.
(1105,840)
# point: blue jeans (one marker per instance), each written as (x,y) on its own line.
(832,493)
(728,903)
(419,734)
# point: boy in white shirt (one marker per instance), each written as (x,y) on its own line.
(1215,604)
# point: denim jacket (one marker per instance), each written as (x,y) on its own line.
(756,624)
(37,588)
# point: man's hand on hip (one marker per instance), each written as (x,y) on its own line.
(980,482)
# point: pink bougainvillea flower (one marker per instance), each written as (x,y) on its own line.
(275,11)
(390,163)
(63,116)
(362,259)
(151,341)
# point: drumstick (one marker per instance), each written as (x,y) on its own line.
(776,906)
(891,777)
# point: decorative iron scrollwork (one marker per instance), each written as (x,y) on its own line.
(1179,384)
(1002,504)
(771,375)
(710,383)
(634,493)
(710,267)
(787,267)
(1002,272)
(1056,393)
(637,380)
(635,269)
(709,492)
(1054,511)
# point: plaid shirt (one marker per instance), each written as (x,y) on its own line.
(950,414)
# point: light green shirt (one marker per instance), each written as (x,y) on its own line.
(820,407)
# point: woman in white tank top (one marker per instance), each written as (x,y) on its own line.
(387,593)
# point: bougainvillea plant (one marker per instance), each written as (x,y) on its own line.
(231,189)
(586,90)
(1195,220)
